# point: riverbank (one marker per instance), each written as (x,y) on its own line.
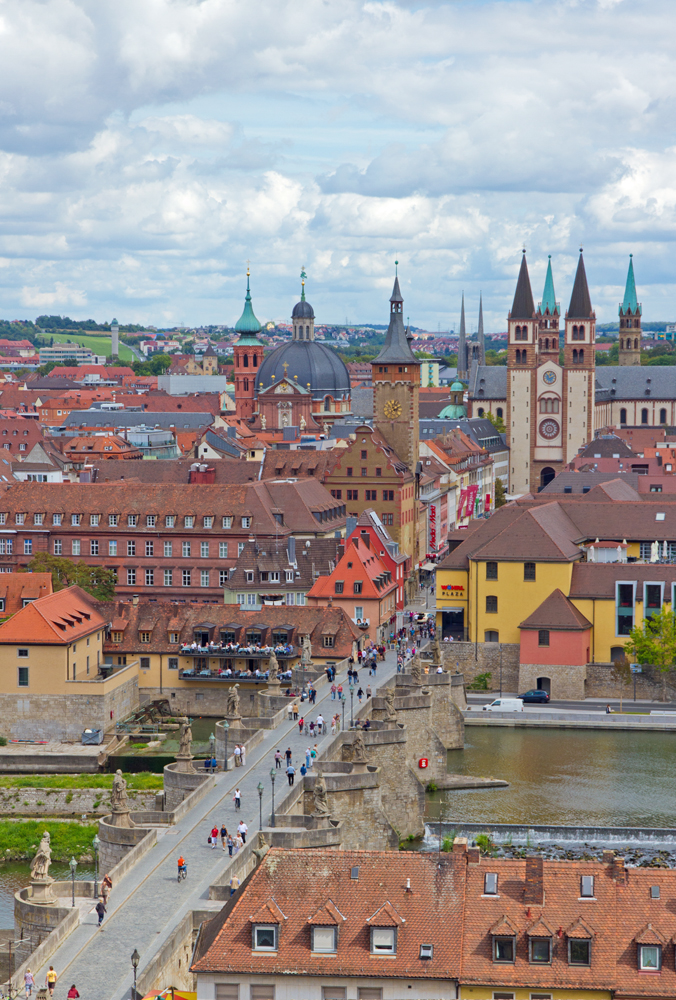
(20,838)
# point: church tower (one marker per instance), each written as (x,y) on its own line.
(462,344)
(549,315)
(303,315)
(521,367)
(248,351)
(396,387)
(630,322)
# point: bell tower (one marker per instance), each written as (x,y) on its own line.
(630,322)
(396,386)
(248,352)
(548,316)
(522,360)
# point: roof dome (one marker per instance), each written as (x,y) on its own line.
(303,309)
(247,322)
(454,411)
(311,362)
(458,386)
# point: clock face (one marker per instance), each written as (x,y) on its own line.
(549,378)
(549,429)
(392,409)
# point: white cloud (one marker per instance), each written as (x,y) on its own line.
(34,298)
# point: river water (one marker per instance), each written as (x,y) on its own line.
(15,875)
(564,777)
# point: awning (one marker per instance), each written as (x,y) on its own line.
(429,566)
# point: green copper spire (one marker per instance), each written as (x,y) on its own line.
(247,325)
(303,276)
(548,296)
(630,300)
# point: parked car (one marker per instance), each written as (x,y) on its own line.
(535,697)
(504,705)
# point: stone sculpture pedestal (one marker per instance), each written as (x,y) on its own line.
(121,817)
(234,721)
(184,763)
(274,686)
(41,891)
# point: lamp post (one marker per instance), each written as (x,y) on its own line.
(96,844)
(501,670)
(135,959)
(272,779)
(73,866)
(260,805)
(351,706)
(342,698)
(226,726)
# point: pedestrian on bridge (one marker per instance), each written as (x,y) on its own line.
(29,982)
(237,799)
(73,993)
(290,772)
(278,760)
(101,910)
(50,980)
(213,839)
(288,755)
(242,830)
(224,836)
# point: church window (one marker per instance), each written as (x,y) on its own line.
(623,416)
(327,403)
(575,361)
(636,345)
(246,385)
(581,356)
(549,405)
(499,412)
(254,361)
(663,415)
(307,332)
(547,343)
(246,360)
(524,357)
(481,410)
(644,415)
(518,357)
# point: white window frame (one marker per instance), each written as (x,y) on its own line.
(168,550)
(185,550)
(204,578)
(168,578)
(265,927)
(222,550)
(382,948)
(204,550)
(112,547)
(329,950)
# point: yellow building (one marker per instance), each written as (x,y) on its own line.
(557,566)
(53,684)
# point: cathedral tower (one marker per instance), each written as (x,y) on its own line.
(462,344)
(549,314)
(630,322)
(396,387)
(248,351)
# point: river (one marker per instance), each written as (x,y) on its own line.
(564,777)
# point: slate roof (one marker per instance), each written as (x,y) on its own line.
(232,471)
(558,613)
(580,301)
(606,446)
(488,382)
(56,619)
(636,383)
(523,305)
(302,882)
(579,481)
(597,580)
(130,418)
(396,347)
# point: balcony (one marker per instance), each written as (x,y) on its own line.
(228,675)
(233,650)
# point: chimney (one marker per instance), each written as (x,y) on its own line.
(618,870)
(535,890)
(473,856)
(608,857)
(460,845)
(134,600)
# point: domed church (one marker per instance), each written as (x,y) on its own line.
(300,384)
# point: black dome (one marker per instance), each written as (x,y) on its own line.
(303,310)
(311,362)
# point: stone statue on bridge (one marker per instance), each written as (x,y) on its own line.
(359,750)
(118,796)
(233,702)
(306,652)
(390,710)
(273,667)
(42,860)
(320,797)
(416,672)
(185,738)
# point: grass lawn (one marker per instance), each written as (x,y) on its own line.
(143,781)
(99,345)
(20,839)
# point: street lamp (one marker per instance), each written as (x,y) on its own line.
(226,726)
(96,843)
(272,779)
(351,706)
(73,866)
(342,698)
(260,805)
(135,959)
(212,744)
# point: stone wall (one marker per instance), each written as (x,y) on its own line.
(484,657)
(566,682)
(355,801)
(117,842)
(64,716)
(601,683)
(179,784)
(66,801)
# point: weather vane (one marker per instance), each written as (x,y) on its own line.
(303,275)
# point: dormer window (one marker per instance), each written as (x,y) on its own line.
(540,950)
(383,940)
(650,957)
(265,937)
(324,940)
(587,886)
(503,949)
(490,884)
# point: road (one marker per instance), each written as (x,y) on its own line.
(588,705)
(147,904)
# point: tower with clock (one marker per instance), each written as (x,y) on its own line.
(549,404)
(396,386)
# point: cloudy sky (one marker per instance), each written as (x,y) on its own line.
(149,148)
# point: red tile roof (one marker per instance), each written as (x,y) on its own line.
(557,613)
(57,619)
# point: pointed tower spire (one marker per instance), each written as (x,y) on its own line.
(523,306)
(247,324)
(396,349)
(580,301)
(630,298)
(548,296)
(462,345)
(480,333)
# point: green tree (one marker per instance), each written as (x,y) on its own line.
(497,422)
(96,580)
(654,644)
(500,494)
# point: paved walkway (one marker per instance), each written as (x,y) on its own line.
(148,903)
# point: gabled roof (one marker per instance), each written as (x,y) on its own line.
(386,916)
(57,619)
(580,301)
(396,347)
(503,927)
(358,564)
(327,915)
(540,929)
(268,913)
(580,930)
(650,935)
(557,613)
(523,305)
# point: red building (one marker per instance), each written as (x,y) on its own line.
(248,351)
(370,529)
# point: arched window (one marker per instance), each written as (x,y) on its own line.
(575,361)
(663,415)
(581,357)
(499,412)
(644,415)
(547,343)
(254,361)
(307,332)
(518,356)
(636,323)
(636,345)
(546,476)
(574,333)
(481,411)
(540,343)
(246,361)
(623,416)
(548,404)
(246,384)
(327,403)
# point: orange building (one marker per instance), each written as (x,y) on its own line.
(361,585)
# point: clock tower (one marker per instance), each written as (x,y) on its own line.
(396,387)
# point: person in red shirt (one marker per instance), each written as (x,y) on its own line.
(214,837)
(73,993)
